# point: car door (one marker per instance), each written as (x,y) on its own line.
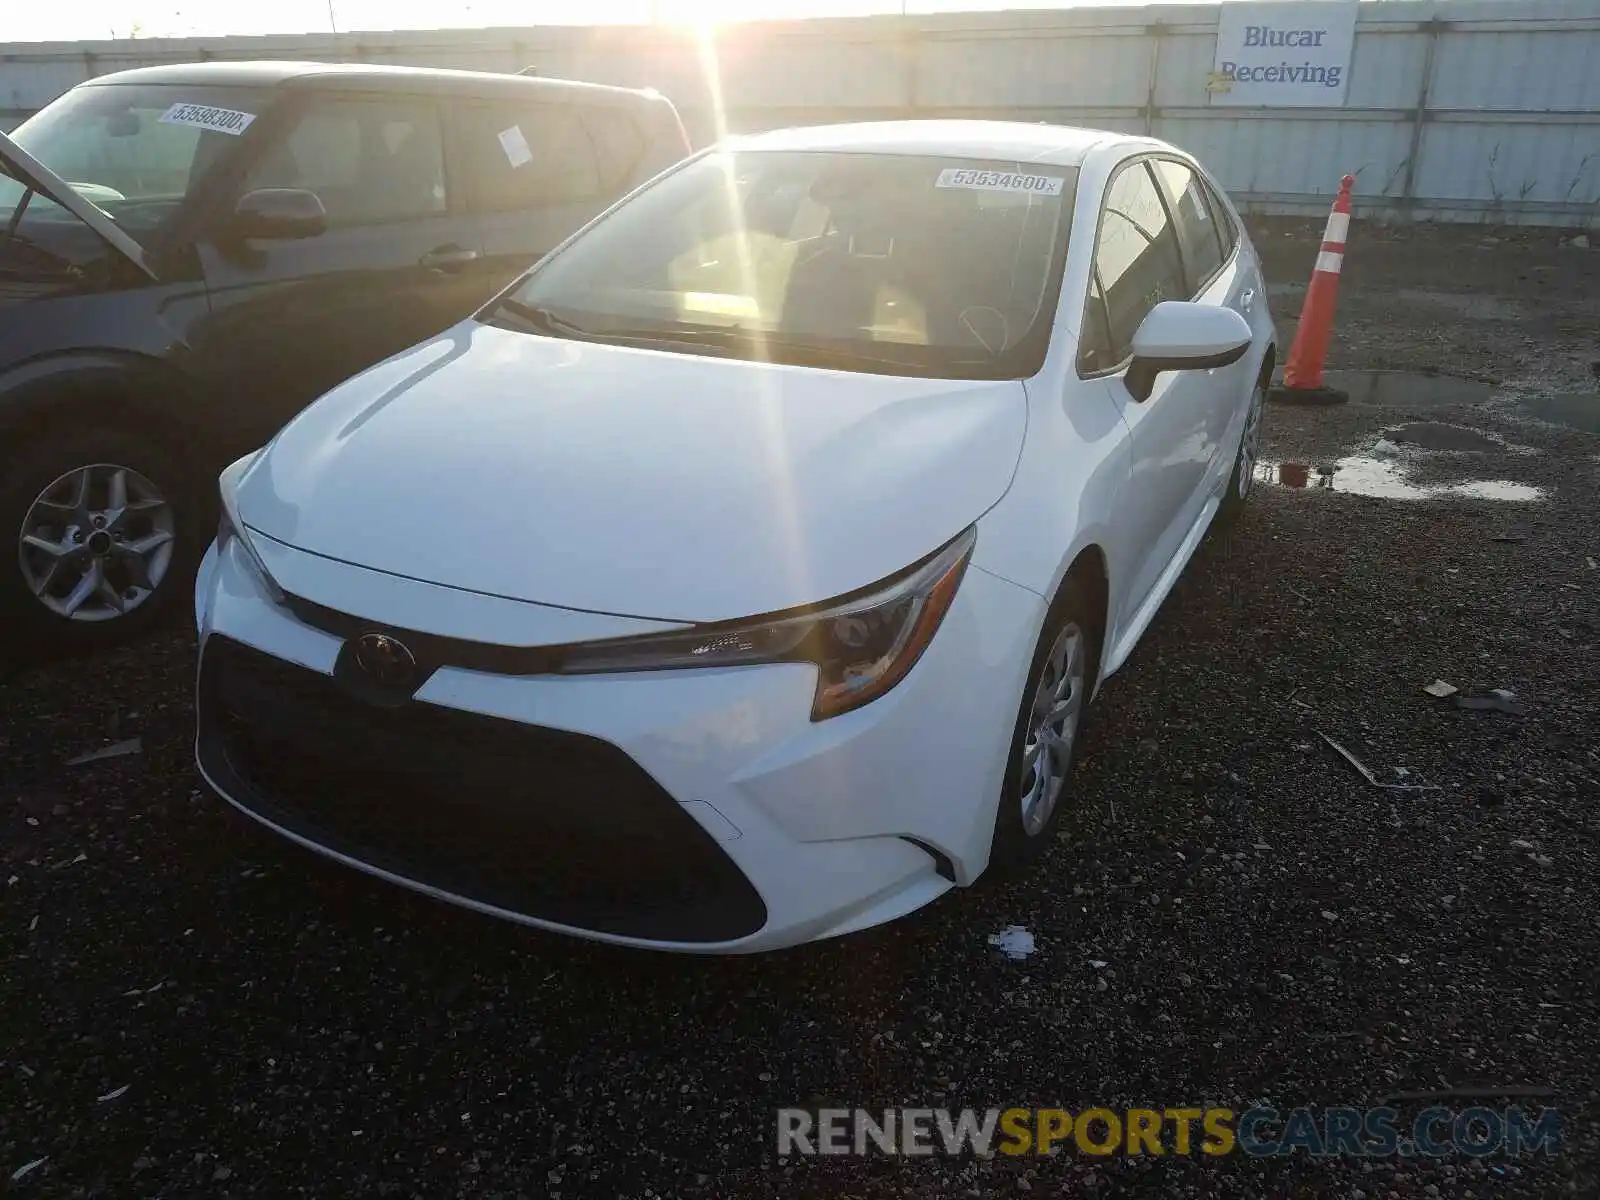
(293,316)
(536,176)
(1137,264)
(1215,276)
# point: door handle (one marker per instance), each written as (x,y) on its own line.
(1247,299)
(447,258)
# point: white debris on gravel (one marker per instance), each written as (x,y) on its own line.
(115,750)
(1013,941)
(115,1092)
(28,1168)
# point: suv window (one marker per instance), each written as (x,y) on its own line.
(367,160)
(1136,262)
(618,141)
(1202,241)
(526,155)
(129,150)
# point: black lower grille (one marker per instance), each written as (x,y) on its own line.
(537,821)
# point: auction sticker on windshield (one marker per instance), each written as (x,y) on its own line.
(203,116)
(999,181)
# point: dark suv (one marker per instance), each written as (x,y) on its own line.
(189,255)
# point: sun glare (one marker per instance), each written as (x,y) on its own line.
(780,469)
(704,15)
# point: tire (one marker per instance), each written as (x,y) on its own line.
(52,546)
(1242,482)
(1022,834)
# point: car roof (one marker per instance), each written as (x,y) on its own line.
(357,77)
(1018,141)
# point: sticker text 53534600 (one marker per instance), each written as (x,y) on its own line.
(999,181)
(203,116)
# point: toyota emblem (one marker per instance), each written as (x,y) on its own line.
(385,660)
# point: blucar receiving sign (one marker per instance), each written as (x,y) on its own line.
(1283,55)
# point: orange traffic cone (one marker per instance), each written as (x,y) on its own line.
(1302,378)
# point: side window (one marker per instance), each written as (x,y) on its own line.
(1094,339)
(367,160)
(529,155)
(619,145)
(1226,232)
(1136,258)
(1202,242)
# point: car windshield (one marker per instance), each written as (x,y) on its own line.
(134,151)
(884,263)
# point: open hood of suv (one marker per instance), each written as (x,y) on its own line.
(30,172)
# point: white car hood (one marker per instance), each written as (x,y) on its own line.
(618,480)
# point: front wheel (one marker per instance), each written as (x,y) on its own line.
(1243,480)
(1038,782)
(105,531)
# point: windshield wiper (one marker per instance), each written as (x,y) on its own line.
(726,340)
(541,319)
(827,350)
(738,338)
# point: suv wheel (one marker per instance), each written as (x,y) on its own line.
(103,530)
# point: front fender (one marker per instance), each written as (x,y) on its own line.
(1064,496)
(106,386)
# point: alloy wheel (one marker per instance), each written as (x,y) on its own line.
(1250,444)
(96,543)
(1052,727)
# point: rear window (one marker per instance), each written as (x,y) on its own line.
(619,145)
(893,264)
(530,155)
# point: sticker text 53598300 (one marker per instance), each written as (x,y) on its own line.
(203,116)
(999,181)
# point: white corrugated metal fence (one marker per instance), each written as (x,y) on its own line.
(1456,109)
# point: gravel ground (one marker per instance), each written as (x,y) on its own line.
(1273,927)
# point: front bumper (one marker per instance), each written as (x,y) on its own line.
(688,810)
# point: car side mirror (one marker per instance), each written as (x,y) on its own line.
(1178,335)
(279,213)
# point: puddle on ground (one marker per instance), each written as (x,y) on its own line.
(1411,389)
(1387,470)
(1368,475)
(1420,389)
(1473,307)
(1580,411)
(1433,435)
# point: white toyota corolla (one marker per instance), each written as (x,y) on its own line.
(739,576)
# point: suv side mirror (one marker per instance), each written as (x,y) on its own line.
(279,213)
(1178,335)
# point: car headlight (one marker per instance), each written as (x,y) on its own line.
(230,528)
(861,645)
